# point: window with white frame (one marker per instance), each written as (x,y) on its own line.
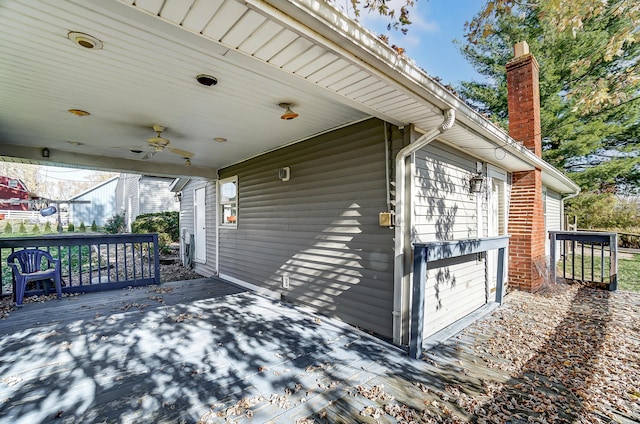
(228,201)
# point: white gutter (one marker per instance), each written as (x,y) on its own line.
(400,289)
(348,39)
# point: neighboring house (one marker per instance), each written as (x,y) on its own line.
(140,194)
(302,222)
(14,194)
(127,194)
(101,206)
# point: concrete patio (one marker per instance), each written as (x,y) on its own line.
(207,351)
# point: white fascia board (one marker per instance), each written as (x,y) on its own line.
(350,40)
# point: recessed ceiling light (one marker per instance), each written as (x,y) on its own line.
(85,40)
(220,139)
(207,80)
(79,112)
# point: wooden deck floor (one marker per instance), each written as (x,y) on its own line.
(206,351)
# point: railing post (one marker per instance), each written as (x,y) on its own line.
(613,266)
(417,304)
(552,254)
(156,259)
(500,276)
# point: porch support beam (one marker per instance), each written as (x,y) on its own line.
(33,155)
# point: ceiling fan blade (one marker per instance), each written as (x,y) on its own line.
(179,152)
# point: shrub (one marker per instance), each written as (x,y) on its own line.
(115,225)
(47,227)
(603,211)
(94,226)
(22,229)
(71,228)
(159,222)
(166,224)
(82,228)
(35,229)
(8,228)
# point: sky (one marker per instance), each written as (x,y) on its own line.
(429,41)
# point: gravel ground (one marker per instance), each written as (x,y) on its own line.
(572,354)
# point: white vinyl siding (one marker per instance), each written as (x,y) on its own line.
(208,267)
(446,210)
(553,215)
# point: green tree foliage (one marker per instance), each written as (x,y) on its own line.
(589,56)
(71,228)
(397,13)
(8,228)
(604,211)
(22,229)
(35,229)
(47,227)
(94,226)
(115,225)
(82,228)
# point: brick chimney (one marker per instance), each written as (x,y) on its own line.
(526,214)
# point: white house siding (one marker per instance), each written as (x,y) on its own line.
(155,195)
(101,208)
(127,197)
(208,268)
(445,210)
(552,215)
(319,229)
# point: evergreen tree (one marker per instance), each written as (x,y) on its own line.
(589,56)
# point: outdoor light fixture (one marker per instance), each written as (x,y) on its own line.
(85,40)
(475,183)
(288,113)
(45,153)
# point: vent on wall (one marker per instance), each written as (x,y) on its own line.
(284,173)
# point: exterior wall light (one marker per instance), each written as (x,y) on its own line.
(475,183)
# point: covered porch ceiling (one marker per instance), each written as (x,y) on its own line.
(262,53)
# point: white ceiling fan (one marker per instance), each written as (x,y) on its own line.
(160,144)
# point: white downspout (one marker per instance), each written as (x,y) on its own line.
(562,199)
(400,294)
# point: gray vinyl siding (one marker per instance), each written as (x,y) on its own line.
(101,208)
(320,228)
(208,268)
(155,195)
(445,210)
(553,215)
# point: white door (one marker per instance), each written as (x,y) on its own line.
(497,221)
(199,232)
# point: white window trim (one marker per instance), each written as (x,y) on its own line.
(219,203)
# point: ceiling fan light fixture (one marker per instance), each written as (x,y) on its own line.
(288,113)
(85,40)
